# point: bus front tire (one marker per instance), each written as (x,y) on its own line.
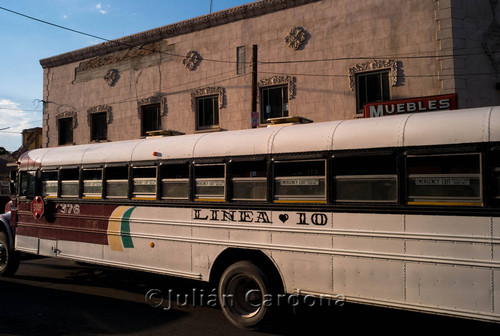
(9,259)
(244,295)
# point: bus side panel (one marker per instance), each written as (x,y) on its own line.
(459,255)
(367,279)
(154,238)
(27,244)
(450,287)
(305,273)
(80,250)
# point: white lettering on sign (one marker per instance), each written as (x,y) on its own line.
(299,182)
(37,207)
(453,181)
(144,182)
(409,107)
(210,183)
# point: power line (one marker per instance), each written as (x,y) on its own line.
(53,24)
(409,56)
(104,39)
(21,124)
(399,76)
(370,58)
(18,109)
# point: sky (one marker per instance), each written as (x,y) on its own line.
(24,42)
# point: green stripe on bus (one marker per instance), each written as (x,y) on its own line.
(125,229)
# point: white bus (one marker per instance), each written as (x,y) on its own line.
(400,211)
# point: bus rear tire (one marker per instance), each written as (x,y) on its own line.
(244,295)
(9,259)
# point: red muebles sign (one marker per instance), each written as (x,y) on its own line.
(413,105)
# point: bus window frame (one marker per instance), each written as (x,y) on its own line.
(164,166)
(138,196)
(300,198)
(68,182)
(83,180)
(56,171)
(395,176)
(209,197)
(32,182)
(106,180)
(448,201)
(232,179)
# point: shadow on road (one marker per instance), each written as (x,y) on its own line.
(66,298)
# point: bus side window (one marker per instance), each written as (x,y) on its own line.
(210,182)
(453,179)
(69,182)
(116,182)
(175,181)
(49,183)
(300,181)
(370,178)
(144,183)
(249,181)
(27,184)
(92,183)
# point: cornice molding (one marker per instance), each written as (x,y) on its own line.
(159,98)
(280,80)
(374,65)
(68,114)
(99,109)
(209,91)
(219,18)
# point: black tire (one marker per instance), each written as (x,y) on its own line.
(246,295)
(9,259)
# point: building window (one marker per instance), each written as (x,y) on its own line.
(207,111)
(99,126)
(65,131)
(274,102)
(151,118)
(372,87)
(240,60)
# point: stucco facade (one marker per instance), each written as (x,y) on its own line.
(313,49)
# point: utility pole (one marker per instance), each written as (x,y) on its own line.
(255,115)
(210,6)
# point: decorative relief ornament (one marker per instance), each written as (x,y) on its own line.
(159,98)
(296,38)
(111,77)
(280,80)
(372,66)
(209,91)
(99,109)
(68,114)
(191,60)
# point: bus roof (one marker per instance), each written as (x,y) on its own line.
(406,130)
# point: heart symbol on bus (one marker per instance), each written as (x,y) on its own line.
(283,217)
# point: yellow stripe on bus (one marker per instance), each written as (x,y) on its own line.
(447,203)
(209,200)
(114,228)
(299,201)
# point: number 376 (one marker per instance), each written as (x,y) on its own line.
(69,208)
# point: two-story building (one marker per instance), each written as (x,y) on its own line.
(237,68)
